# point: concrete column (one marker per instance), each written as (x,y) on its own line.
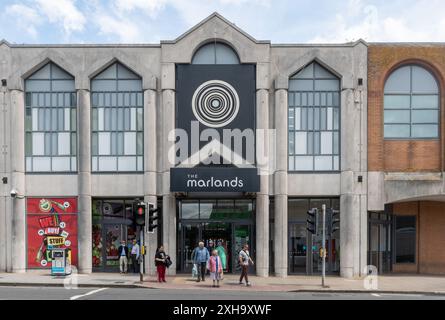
(5,199)
(169,223)
(280,183)
(150,171)
(262,200)
(84,159)
(18,181)
(353,199)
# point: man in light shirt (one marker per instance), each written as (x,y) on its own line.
(135,251)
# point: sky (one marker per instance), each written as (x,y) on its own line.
(280,21)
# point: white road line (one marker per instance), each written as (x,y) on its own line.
(87,294)
(375,295)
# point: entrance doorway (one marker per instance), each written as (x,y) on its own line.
(379,230)
(224,225)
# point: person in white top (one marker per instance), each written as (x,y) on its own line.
(135,252)
(244,261)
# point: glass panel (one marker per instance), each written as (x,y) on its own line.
(323,163)
(104,143)
(225,55)
(66,119)
(189,209)
(63,85)
(337,163)
(336,147)
(140,143)
(61,164)
(205,55)
(425,131)
(326,143)
(38,85)
(405,239)
(306,73)
(291,119)
(130,143)
(103,85)
(399,81)
(64,143)
(425,102)
(38,143)
(291,163)
(42,73)
(41,164)
(326,85)
(397,116)
(301,85)
(206,207)
(329,119)
(129,85)
(300,142)
(297,209)
(291,143)
(109,73)
(397,131)
(125,73)
(321,72)
(425,116)
(297,118)
(126,163)
(140,119)
(107,164)
(423,81)
(57,73)
(304,163)
(397,102)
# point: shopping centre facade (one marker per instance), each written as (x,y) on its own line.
(87,129)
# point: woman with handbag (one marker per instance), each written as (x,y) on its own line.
(160,262)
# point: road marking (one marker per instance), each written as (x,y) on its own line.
(87,294)
(375,295)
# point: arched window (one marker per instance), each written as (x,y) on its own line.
(314,120)
(117,120)
(50,121)
(215,53)
(411,104)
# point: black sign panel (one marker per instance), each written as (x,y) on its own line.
(222,179)
(215,96)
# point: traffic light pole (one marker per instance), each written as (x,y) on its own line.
(323,277)
(141,265)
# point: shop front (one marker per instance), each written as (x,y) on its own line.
(224,225)
(112,223)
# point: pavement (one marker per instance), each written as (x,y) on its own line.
(389,284)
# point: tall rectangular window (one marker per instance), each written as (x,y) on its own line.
(314,120)
(405,239)
(117,121)
(50,121)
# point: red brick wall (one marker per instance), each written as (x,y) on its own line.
(401,155)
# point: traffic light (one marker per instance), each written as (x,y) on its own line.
(139,213)
(312,220)
(334,220)
(153,215)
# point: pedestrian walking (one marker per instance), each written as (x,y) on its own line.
(244,261)
(135,253)
(215,268)
(160,262)
(200,256)
(123,257)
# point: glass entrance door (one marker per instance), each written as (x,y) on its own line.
(379,253)
(218,236)
(190,236)
(241,235)
(297,248)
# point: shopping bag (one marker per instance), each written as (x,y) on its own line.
(194,271)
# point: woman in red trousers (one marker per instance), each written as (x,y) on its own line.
(160,259)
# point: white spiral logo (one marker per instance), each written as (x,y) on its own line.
(215,103)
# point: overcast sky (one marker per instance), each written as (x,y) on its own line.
(281,21)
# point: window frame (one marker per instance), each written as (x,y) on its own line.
(410,108)
(394,241)
(314,78)
(73,110)
(215,44)
(96,131)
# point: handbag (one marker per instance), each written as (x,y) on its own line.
(168,262)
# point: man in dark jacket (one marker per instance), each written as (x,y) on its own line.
(123,257)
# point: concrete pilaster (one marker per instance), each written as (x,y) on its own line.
(150,172)
(5,199)
(84,159)
(262,200)
(169,222)
(18,181)
(280,185)
(353,199)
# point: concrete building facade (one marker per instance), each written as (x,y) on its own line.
(313,97)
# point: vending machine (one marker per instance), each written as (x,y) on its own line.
(61,262)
